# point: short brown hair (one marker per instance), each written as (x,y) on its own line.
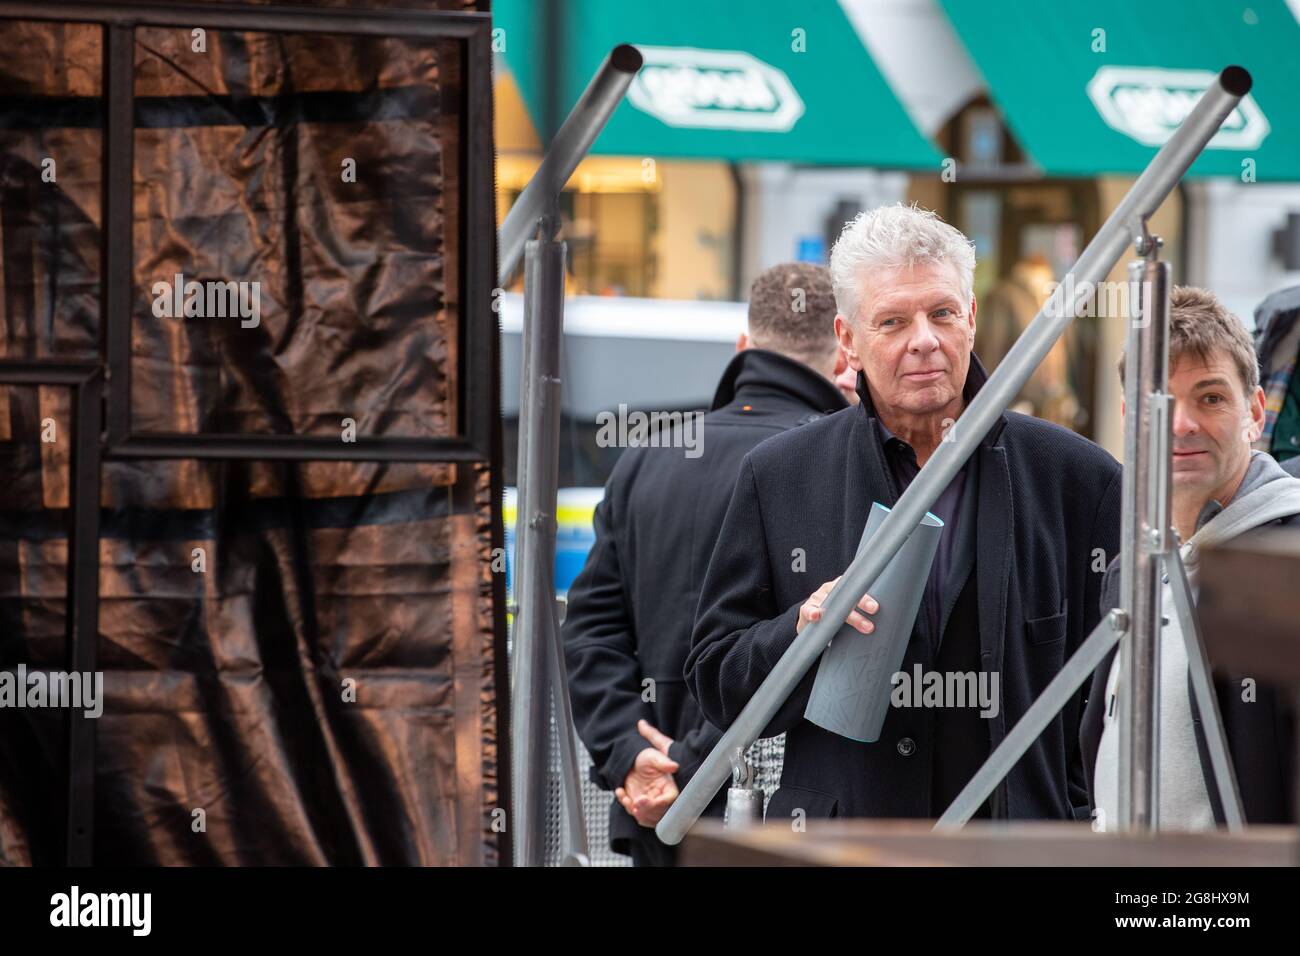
(1199,324)
(792,311)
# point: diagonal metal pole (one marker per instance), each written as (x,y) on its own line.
(575,825)
(1068,681)
(1207,701)
(1105,249)
(1042,712)
(570,145)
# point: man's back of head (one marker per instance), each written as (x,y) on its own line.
(792,312)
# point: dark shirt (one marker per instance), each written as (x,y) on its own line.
(940,586)
(961,736)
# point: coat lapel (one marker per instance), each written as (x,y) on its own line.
(993,543)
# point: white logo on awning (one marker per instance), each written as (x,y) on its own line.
(714,89)
(1147,103)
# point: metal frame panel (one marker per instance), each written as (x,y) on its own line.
(477,232)
(102,389)
(82,595)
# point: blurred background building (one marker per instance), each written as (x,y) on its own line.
(755,130)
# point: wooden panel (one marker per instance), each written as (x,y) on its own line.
(1249,605)
(914,843)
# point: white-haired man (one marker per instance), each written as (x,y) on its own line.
(1015,584)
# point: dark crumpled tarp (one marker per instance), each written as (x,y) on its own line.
(225,688)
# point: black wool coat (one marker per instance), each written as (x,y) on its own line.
(1047,501)
(631,608)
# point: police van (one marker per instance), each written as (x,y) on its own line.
(618,355)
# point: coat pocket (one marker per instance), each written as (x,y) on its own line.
(787,800)
(1046,630)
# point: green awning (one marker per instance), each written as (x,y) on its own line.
(785,80)
(1095,87)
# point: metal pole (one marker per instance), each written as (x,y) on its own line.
(571,144)
(1148,420)
(1142,200)
(1146,539)
(1149,556)
(538,658)
(534,587)
(1203,692)
(575,851)
(1041,712)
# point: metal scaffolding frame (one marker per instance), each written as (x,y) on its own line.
(1149,557)
(1126,225)
(102,395)
(103,430)
(539,678)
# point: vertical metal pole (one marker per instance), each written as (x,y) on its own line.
(1203,692)
(83,613)
(1146,538)
(529,700)
(539,676)
(537,658)
(118,56)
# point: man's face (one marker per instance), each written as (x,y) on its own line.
(1214,424)
(912,336)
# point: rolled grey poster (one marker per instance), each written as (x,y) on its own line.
(850,694)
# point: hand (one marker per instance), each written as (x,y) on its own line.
(811,609)
(649,789)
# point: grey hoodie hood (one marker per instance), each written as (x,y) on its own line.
(1267,493)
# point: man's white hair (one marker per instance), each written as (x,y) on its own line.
(896,236)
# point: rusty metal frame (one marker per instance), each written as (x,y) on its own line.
(101,389)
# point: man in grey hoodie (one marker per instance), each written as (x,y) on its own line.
(1221,489)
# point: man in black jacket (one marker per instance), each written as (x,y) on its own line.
(1012,590)
(1221,489)
(631,608)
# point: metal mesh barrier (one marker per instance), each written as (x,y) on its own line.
(595,808)
(765,756)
